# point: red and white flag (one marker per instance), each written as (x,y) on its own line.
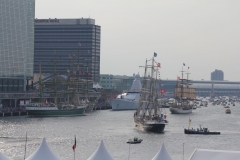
(74,145)
(162,91)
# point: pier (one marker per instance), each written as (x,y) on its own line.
(8,114)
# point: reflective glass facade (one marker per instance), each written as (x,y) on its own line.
(72,45)
(16,42)
(16,37)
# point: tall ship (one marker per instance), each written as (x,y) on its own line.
(184,97)
(128,100)
(148,115)
(72,106)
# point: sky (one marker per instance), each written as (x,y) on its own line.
(203,34)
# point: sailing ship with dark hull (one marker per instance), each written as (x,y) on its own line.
(184,97)
(148,115)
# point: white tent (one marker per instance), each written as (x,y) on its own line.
(3,157)
(203,154)
(162,154)
(101,153)
(43,153)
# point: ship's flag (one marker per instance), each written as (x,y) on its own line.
(75,144)
(183,64)
(155,54)
(159,64)
(162,91)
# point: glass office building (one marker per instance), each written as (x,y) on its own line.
(68,46)
(16,43)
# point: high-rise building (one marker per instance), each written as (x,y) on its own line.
(68,46)
(16,43)
(217,75)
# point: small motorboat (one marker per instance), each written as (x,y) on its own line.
(228,111)
(199,131)
(194,107)
(134,140)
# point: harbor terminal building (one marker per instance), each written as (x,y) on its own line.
(16,44)
(68,47)
(206,88)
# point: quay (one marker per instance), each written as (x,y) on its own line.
(13,99)
(102,107)
(8,114)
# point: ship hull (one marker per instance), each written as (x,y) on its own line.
(174,110)
(124,104)
(188,131)
(154,127)
(150,126)
(55,112)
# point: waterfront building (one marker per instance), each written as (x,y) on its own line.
(122,83)
(217,75)
(106,81)
(118,83)
(16,44)
(71,46)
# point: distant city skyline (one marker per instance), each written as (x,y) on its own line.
(204,35)
(217,75)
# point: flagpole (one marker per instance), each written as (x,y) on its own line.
(75,147)
(183,151)
(74,154)
(25,147)
(129,152)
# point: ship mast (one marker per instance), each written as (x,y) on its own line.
(156,93)
(187,84)
(182,88)
(149,92)
(143,91)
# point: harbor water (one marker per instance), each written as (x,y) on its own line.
(115,128)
